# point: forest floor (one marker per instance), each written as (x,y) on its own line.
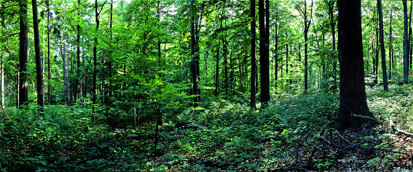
(291,134)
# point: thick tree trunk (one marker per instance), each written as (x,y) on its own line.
(405,45)
(39,75)
(264,60)
(253,57)
(352,86)
(23,90)
(383,52)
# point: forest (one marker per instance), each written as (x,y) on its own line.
(206,85)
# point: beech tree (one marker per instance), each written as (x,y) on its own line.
(253,59)
(382,51)
(39,75)
(352,85)
(23,90)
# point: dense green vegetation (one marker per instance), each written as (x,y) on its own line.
(205,85)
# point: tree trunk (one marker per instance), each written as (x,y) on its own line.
(307,23)
(23,43)
(253,58)
(276,55)
(78,55)
(333,33)
(216,92)
(64,70)
(390,45)
(49,91)
(405,45)
(410,35)
(383,52)
(94,93)
(264,60)
(376,60)
(193,55)
(225,65)
(39,75)
(352,86)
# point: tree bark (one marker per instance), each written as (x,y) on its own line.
(94,93)
(383,52)
(76,86)
(333,33)
(193,56)
(253,58)
(390,44)
(39,75)
(264,60)
(23,44)
(49,91)
(405,45)
(216,92)
(352,86)
(64,71)
(307,23)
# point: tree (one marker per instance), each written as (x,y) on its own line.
(405,45)
(307,23)
(253,58)
(39,75)
(352,86)
(391,62)
(23,90)
(331,4)
(195,59)
(49,92)
(264,53)
(382,51)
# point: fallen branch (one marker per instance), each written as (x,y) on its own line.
(365,117)
(397,130)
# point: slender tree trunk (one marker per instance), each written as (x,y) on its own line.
(39,75)
(286,64)
(225,65)
(264,60)
(276,55)
(216,92)
(333,33)
(78,55)
(23,43)
(253,55)
(193,55)
(352,85)
(390,45)
(307,23)
(49,91)
(383,52)
(376,61)
(64,71)
(405,45)
(94,93)
(410,35)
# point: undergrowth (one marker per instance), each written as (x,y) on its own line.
(288,133)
